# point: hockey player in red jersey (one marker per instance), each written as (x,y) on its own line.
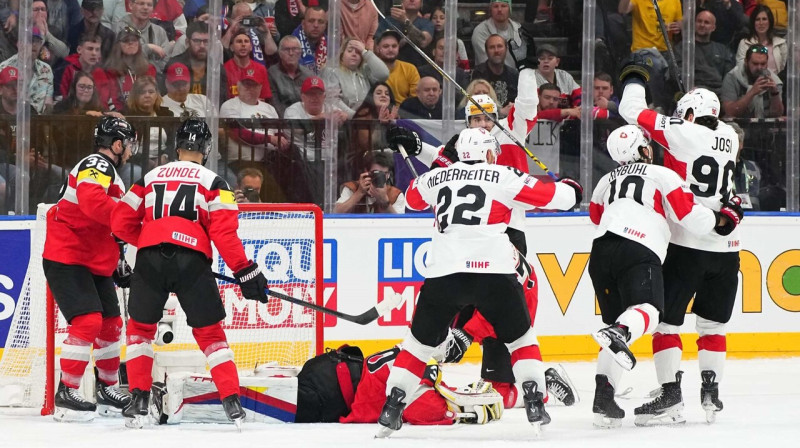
(172,216)
(80,256)
(632,206)
(702,150)
(472,262)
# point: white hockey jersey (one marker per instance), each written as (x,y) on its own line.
(636,201)
(472,207)
(703,157)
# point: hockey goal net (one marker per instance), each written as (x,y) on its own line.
(284,239)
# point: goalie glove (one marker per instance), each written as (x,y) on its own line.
(477,403)
(733,213)
(122,275)
(409,139)
(253,283)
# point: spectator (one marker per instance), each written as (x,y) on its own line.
(127,62)
(289,14)
(606,104)
(168,14)
(373,192)
(180,43)
(250,142)
(358,69)
(53,48)
(762,32)
(8,15)
(87,59)
(248,185)
(751,90)
(195,57)
(462,77)
(155,43)
(81,97)
(178,100)
(499,22)
(779,10)
(359,20)
(729,16)
(646,30)
(427,104)
(502,77)
(113,12)
(8,91)
(368,132)
(548,72)
(92,11)
(8,106)
(313,41)
(415,27)
(462,59)
(145,101)
(550,102)
(241,63)
(40,88)
(262,40)
(476,87)
(712,60)
(403,77)
(287,75)
(60,14)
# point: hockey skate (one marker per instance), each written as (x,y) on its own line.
(391,418)
(709,395)
(136,413)
(666,409)
(233,409)
(607,414)
(614,338)
(110,400)
(70,406)
(534,406)
(560,386)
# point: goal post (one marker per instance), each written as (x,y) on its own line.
(284,239)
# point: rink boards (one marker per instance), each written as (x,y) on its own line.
(367,258)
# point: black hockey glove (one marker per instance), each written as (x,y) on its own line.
(122,275)
(253,283)
(638,67)
(576,186)
(733,213)
(458,346)
(402,136)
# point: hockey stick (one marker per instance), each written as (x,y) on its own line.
(409,163)
(496,122)
(673,63)
(364,318)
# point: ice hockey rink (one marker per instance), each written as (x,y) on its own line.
(761,399)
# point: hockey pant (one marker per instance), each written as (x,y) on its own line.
(212,342)
(85,332)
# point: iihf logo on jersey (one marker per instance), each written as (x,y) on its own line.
(477,264)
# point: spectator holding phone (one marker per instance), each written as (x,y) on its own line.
(373,192)
(751,90)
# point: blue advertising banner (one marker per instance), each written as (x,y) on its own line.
(16,247)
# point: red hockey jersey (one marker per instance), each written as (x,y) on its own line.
(79,225)
(185,204)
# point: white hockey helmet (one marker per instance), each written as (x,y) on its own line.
(473,144)
(486,102)
(625,143)
(702,101)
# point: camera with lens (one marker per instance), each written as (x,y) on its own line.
(252,21)
(251,194)
(164,332)
(378,178)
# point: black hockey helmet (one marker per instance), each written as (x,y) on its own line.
(110,129)
(194,135)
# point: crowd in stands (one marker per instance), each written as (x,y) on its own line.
(149,58)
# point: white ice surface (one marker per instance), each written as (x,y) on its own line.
(761,397)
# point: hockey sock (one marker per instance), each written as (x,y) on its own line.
(106,350)
(409,367)
(711,346)
(667,350)
(75,353)
(526,360)
(140,355)
(510,393)
(640,320)
(606,365)
(214,344)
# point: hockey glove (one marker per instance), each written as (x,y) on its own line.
(637,67)
(576,186)
(448,155)
(253,283)
(122,275)
(457,346)
(733,213)
(397,136)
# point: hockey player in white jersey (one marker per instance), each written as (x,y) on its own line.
(702,150)
(632,206)
(472,262)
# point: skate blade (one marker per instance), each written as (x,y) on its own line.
(108,411)
(384,432)
(537,429)
(73,416)
(561,371)
(622,358)
(670,416)
(238,423)
(137,422)
(601,421)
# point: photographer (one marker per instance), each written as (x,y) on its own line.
(263,34)
(751,90)
(373,191)
(248,185)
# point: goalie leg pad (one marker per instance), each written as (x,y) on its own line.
(214,345)
(477,403)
